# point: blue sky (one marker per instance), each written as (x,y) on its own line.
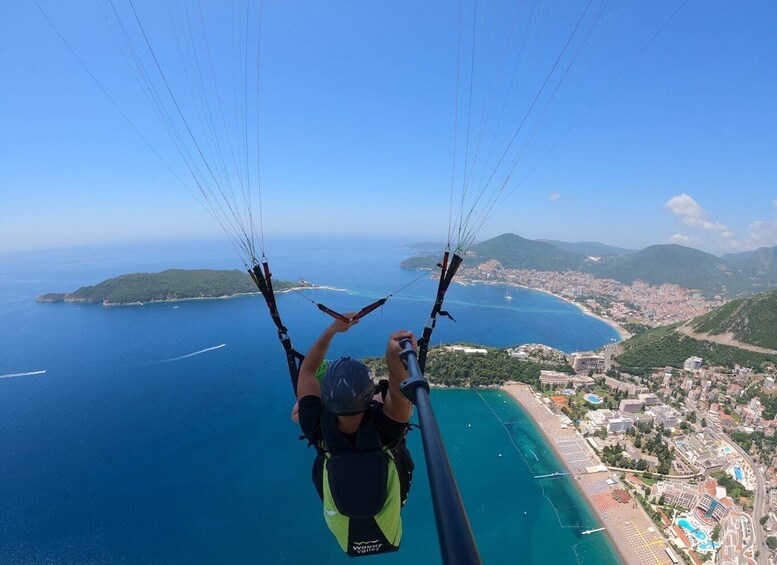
(357,105)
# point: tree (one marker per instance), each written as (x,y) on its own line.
(703,422)
(771,541)
(764,519)
(662,500)
(716,533)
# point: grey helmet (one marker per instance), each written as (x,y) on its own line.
(347,387)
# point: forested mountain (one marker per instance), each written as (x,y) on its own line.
(732,274)
(513,252)
(760,264)
(661,264)
(589,248)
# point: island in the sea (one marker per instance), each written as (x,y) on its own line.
(169,285)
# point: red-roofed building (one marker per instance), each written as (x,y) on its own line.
(560,400)
(695,557)
(680,535)
(634,480)
(727,421)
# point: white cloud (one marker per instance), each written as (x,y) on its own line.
(716,234)
(554,196)
(679,238)
(685,207)
(691,213)
(763,234)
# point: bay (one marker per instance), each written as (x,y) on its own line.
(161,433)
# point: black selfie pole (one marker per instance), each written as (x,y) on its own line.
(457,544)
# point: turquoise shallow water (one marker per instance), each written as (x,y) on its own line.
(129,449)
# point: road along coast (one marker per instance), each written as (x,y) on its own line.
(633,534)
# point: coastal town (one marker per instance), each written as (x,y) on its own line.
(627,305)
(679,464)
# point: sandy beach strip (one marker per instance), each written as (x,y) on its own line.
(631,531)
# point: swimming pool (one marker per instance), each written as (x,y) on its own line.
(593,399)
(738,473)
(697,536)
(688,527)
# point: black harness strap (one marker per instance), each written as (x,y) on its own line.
(448,271)
(263,278)
(330,312)
(360,314)
(369,308)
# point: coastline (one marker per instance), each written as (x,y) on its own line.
(624,523)
(622,332)
(223,297)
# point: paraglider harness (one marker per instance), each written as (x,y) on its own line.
(362,485)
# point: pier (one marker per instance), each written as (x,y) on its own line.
(549,475)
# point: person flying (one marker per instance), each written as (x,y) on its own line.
(362,470)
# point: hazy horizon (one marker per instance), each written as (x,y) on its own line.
(220,244)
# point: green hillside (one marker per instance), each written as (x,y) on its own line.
(173,284)
(760,265)
(589,248)
(659,264)
(662,264)
(458,369)
(661,347)
(513,252)
(752,320)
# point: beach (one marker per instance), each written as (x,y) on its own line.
(632,532)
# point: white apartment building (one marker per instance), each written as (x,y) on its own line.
(585,362)
(693,363)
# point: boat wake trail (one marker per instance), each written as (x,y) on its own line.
(11,375)
(200,352)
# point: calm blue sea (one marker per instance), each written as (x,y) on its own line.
(161,433)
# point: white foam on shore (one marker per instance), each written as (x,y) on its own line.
(11,375)
(200,352)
